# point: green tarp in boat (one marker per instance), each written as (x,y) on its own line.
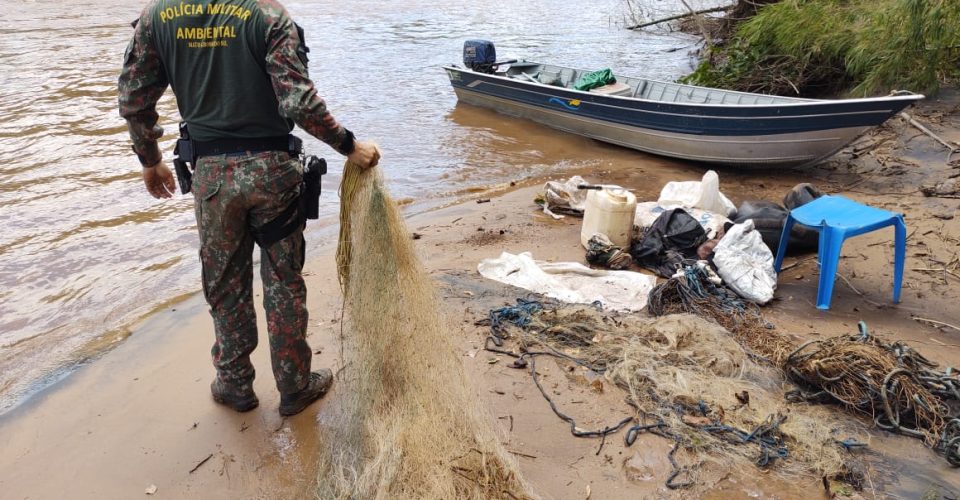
(595,79)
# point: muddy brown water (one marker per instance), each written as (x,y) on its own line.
(84,251)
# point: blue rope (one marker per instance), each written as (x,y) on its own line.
(520,315)
(851,444)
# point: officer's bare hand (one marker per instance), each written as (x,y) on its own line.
(159,181)
(364,155)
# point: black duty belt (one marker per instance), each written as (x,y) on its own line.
(305,206)
(230,146)
(188,150)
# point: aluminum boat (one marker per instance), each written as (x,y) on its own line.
(682,121)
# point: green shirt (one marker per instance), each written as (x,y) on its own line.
(238,69)
(215,60)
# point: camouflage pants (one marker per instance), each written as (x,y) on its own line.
(234,193)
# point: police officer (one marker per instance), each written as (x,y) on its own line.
(239,72)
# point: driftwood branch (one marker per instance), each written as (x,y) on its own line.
(797,263)
(937,323)
(699,20)
(941,190)
(205,460)
(925,130)
(680,16)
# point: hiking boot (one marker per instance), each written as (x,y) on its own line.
(238,400)
(320,382)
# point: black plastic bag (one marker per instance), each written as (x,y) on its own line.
(670,242)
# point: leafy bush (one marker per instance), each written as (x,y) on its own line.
(859,47)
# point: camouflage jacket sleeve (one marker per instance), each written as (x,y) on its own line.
(142,82)
(295,91)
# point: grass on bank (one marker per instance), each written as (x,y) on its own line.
(854,47)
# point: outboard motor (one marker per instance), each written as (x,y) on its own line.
(479,55)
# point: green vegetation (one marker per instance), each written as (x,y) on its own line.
(820,47)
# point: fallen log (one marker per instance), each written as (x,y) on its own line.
(680,16)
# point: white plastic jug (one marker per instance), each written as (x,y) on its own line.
(610,211)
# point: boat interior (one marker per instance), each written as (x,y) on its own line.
(637,88)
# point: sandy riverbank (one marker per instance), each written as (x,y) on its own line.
(141,415)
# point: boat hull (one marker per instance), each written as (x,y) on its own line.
(758,136)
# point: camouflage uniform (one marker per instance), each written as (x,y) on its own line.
(185,45)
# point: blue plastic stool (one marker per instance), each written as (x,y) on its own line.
(837,218)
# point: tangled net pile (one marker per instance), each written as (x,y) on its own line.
(898,387)
(693,292)
(410,427)
(894,384)
(688,380)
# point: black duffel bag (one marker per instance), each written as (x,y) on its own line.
(769,217)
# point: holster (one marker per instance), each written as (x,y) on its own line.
(185,159)
(310,194)
(306,206)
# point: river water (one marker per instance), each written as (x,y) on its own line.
(84,251)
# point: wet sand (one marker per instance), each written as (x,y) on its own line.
(141,415)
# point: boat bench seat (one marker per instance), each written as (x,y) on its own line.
(568,77)
(550,78)
(641,86)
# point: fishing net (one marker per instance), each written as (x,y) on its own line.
(899,388)
(693,290)
(410,425)
(896,386)
(687,380)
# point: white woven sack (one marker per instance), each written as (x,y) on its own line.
(745,263)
